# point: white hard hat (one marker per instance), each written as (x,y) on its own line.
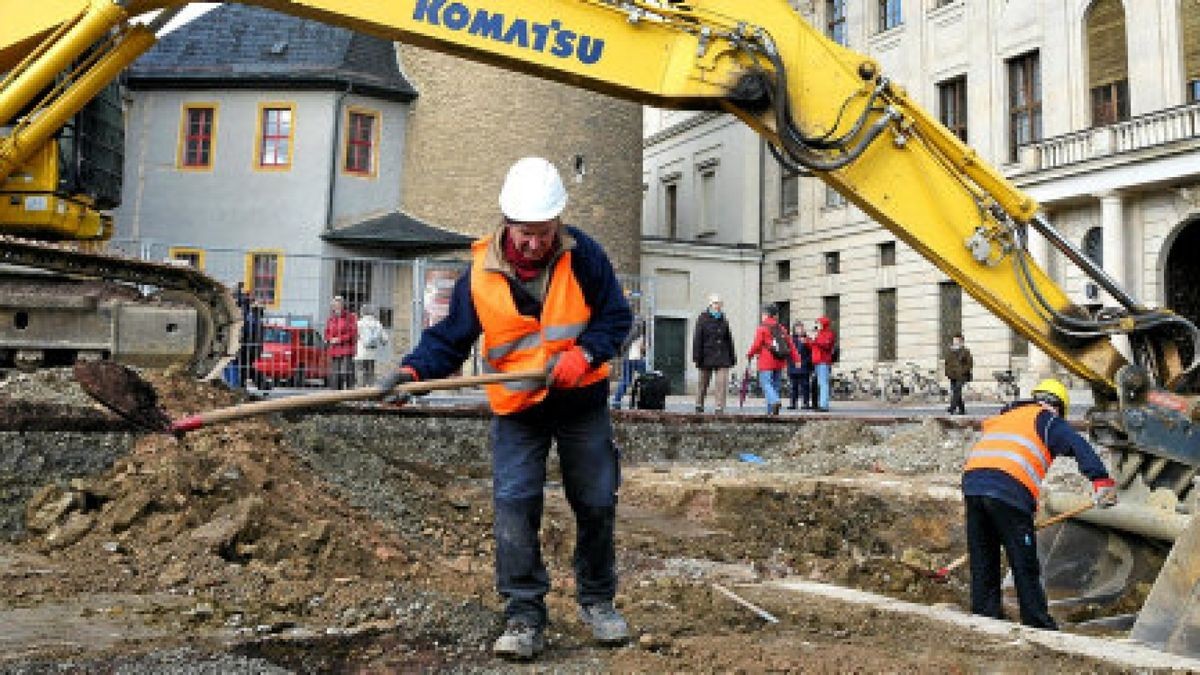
(714,299)
(533,191)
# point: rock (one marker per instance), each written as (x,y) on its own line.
(313,538)
(654,643)
(175,574)
(386,553)
(228,523)
(201,612)
(127,511)
(284,597)
(47,507)
(112,547)
(92,487)
(70,532)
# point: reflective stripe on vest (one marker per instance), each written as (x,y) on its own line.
(512,341)
(1010,443)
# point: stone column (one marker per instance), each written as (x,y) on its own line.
(1112,221)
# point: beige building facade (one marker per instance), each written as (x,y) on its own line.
(701,225)
(1092,106)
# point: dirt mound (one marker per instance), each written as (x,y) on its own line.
(826,437)
(822,448)
(227,515)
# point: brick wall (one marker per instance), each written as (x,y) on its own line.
(471,121)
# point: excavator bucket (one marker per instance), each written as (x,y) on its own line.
(1170,619)
(1083,563)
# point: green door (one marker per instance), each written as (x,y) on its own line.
(670,341)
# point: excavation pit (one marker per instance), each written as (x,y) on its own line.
(362,540)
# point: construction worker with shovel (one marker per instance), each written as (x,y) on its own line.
(1001,484)
(542,295)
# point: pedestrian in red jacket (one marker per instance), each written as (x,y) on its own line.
(823,345)
(341,332)
(772,347)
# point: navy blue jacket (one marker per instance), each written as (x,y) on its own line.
(1062,441)
(445,345)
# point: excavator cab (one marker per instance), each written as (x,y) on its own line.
(63,192)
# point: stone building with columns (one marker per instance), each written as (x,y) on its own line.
(1092,106)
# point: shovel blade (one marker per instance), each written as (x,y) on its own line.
(1170,619)
(122,391)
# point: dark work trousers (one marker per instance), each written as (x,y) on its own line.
(591,475)
(800,388)
(956,398)
(343,372)
(991,524)
(813,389)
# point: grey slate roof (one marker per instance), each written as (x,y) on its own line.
(239,46)
(398,232)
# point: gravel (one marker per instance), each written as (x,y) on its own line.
(30,460)
(174,662)
(52,385)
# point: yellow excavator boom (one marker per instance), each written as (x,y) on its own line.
(754,59)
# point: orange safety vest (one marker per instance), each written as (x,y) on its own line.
(1011,443)
(513,342)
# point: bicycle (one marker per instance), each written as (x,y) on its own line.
(841,387)
(894,388)
(1007,389)
(926,384)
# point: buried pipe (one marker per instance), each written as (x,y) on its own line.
(1134,517)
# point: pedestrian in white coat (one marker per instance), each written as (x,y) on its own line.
(372,338)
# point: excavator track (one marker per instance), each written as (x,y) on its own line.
(187,319)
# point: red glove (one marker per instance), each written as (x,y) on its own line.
(571,367)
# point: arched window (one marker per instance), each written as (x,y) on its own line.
(1093,245)
(1190,10)
(1108,63)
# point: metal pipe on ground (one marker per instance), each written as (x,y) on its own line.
(1128,517)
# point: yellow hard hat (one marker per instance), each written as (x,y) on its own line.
(1056,389)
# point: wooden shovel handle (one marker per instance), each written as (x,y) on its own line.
(324,398)
(962,559)
(1071,513)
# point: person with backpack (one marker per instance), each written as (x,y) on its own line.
(800,371)
(712,352)
(824,347)
(773,348)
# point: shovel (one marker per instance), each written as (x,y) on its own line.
(121,390)
(942,574)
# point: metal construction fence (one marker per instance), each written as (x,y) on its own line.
(286,300)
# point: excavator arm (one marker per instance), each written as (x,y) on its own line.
(823,110)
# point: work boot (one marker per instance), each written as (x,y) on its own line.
(773,409)
(699,408)
(608,626)
(521,641)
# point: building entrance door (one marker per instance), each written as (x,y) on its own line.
(670,342)
(1183,293)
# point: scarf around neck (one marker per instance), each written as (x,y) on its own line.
(526,270)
